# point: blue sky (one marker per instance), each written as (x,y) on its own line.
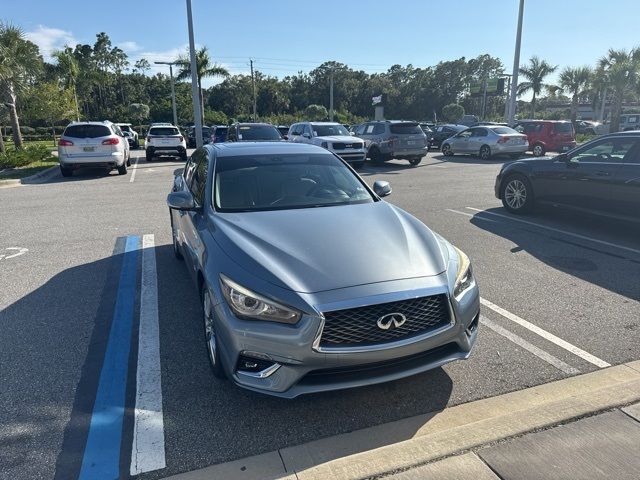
(286,36)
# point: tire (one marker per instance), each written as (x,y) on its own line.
(211,340)
(183,157)
(538,150)
(446,150)
(415,161)
(357,165)
(122,169)
(516,193)
(129,160)
(485,152)
(66,172)
(149,156)
(176,247)
(375,155)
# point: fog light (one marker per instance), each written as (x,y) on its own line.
(473,325)
(251,365)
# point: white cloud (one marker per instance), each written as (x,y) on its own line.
(129,46)
(50,39)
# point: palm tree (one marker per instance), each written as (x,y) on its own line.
(204,68)
(69,68)
(535,73)
(20,61)
(575,81)
(621,72)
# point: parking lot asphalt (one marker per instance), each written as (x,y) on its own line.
(560,293)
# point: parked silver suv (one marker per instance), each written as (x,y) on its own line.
(387,139)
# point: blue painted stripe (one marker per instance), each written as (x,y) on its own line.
(101,458)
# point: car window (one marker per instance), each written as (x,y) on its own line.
(199,175)
(531,128)
(87,131)
(479,132)
(464,134)
(125,128)
(329,130)
(378,129)
(360,130)
(306,129)
(258,132)
(164,131)
(285,181)
(296,129)
(563,127)
(503,130)
(605,151)
(188,170)
(405,129)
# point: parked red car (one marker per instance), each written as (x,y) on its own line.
(548,135)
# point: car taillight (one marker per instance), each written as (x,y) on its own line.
(111,141)
(65,143)
(503,139)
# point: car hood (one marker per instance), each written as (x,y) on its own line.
(338,138)
(317,249)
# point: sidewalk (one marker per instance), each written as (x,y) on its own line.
(581,427)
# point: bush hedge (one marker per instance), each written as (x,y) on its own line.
(20,158)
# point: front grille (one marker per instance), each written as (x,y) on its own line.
(344,146)
(358,326)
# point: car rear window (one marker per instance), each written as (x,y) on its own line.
(405,128)
(125,128)
(259,132)
(164,131)
(563,127)
(87,131)
(503,130)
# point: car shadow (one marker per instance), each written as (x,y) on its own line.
(599,264)
(393,167)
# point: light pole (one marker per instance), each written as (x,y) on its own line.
(516,67)
(197,120)
(331,98)
(173,90)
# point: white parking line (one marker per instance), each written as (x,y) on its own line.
(470,215)
(558,230)
(148,451)
(134,170)
(546,335)
(538,352)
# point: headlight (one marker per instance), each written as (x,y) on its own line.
(464,276)
(249,305)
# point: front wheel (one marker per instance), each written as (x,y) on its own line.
(517,194)
(485,152)
(415,161)
(375,155)
(66,172)
(210,336)
(538,150)
(446,150)
(176,247)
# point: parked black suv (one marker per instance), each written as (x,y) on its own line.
(252,132)
(191,136)
(601,176)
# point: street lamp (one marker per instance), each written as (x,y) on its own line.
(173,90)
(516,67)
(197,119)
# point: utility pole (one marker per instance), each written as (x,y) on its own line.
(516,67)
(253,86)
(506,100)
(484,98)
(197,111)
(604,104)
(173,91)
(331,97)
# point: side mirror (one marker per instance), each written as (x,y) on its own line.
(181,200)
(563,157)
(306,135)
(353,134)
(382,188)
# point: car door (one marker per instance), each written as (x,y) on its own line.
(307,134)
(192,222)
(584,177)
(625,188)
(476,140)
(460,143)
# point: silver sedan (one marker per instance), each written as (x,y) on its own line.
(486,142)
(309,281)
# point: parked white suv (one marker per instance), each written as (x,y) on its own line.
(131,134)
(332,136)
(165,140)
(93,144)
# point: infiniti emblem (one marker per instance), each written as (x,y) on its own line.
(391,320)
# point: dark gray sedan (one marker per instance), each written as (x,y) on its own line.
(309,280)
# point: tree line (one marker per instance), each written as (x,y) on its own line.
(99,81)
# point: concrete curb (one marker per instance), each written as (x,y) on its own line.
(415,441)
(39,177)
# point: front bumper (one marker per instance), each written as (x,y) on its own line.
(306,368)
(351,156)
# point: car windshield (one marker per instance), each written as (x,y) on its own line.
(258,132)
(405,128)
(503,130)
(329,130)
(221,131)
(87,131)
(281,182)
(165,131)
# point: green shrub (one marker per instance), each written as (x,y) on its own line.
(27,130)
(584,137)
(20,158)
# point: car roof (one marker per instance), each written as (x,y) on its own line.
(323,123)
(257,124)
(272,148)
(542,121)
(91,122)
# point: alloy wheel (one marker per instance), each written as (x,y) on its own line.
(537,151)
(485,153)
(446,150)
(515,194)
